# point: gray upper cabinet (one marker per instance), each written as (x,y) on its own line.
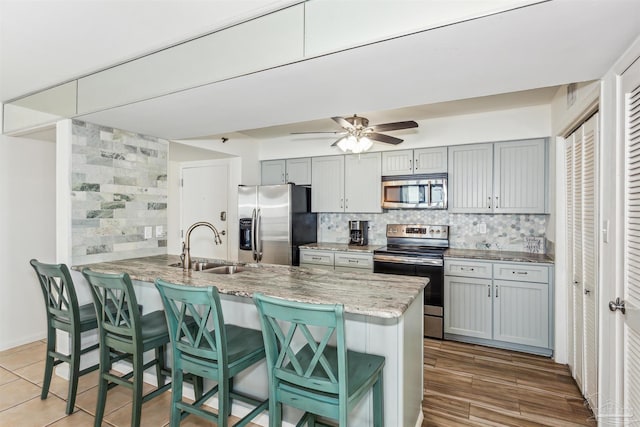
(297,171)
(502,177)
(407,162)
(348,183)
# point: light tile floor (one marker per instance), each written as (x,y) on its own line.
(21,375)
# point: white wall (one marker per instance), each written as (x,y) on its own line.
(27,230)
(516,123)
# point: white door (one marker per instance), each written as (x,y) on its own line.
(577,256)
(630,350)
(204,198)
(590,259)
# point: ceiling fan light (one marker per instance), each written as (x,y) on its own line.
(365,143)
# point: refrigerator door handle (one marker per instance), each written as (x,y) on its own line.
(258,240)
(253,235)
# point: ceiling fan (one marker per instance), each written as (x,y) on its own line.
(358,136)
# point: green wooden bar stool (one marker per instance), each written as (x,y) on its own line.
(203,345)
(64,313)
(320,379)
(126,331)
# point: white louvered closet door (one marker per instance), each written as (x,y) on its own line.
(570,238)
(590,259)
(631,343)
(582,195)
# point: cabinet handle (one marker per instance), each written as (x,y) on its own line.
(416,164)
(346,203)
(287,175)
(465,269)
(496,202)
(496,291)
(353,260)
(520,272)
(316,258)
(283,177)
(341,207)
(587,291)
(410,165)
(489,202)
(488,291)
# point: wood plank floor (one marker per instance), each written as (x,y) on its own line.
(470,385)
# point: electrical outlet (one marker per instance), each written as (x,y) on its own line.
(159,231)
(148,232)
(482,228)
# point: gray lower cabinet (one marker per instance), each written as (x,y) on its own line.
(336,260)
(499,303)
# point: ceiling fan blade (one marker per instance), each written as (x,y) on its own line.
(306,133)
(337,141)
(384,138)
(342,122)
(385,127)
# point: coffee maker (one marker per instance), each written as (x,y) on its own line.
(358,233)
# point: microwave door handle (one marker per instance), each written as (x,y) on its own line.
(427,196)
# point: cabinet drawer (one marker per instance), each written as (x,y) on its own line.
(467,268)
(316,257)
(521,272)
(352,260)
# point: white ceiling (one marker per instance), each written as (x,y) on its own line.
(507,60)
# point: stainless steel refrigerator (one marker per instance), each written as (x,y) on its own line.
(273,221)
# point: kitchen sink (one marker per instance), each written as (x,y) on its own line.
(225,269)
(220,268)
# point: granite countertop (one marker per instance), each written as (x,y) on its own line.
(385,296)
(340,247)
(498,255)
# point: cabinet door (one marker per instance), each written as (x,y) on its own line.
(273,172)
(519,176)
(327,180)
(299,171)
(430,160)
(362,181)
(398,162)
(467,306)
(315,258)
(521,312)
(471,178)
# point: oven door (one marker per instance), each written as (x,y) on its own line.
(433,292)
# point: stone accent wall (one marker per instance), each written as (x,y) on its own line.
(119,187)
(504,232)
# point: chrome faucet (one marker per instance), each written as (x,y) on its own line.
(186,255)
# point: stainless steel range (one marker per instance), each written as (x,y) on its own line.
(418,250)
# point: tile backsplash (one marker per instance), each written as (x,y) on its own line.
(119,187)
(503,232)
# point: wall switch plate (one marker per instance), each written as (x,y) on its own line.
(159,231)
(148,232)
(482,228)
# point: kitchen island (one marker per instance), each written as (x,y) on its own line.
(383,316)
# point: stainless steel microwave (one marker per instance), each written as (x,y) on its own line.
(414,191)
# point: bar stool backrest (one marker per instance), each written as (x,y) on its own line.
(189,311)
(117,309)
(286,325)
(59,294)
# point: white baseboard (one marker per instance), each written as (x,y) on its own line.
(21,341)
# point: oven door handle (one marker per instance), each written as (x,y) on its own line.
(408,260)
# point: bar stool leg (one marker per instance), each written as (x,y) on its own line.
(74,371)
(48,369)
(378,403)
(138,370)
